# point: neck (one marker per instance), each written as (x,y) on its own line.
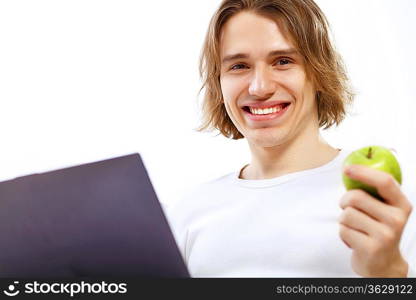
(305,152)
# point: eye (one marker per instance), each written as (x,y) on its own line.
(237,67)
(283,61)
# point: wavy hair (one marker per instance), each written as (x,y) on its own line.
(307,27)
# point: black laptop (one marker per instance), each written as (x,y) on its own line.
(101,219)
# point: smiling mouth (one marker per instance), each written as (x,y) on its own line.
(268,111)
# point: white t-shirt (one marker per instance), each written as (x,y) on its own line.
(280,227)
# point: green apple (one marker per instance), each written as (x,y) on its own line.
(375,157)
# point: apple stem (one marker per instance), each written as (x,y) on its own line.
(370,153)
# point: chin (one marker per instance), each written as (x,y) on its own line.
(266,140)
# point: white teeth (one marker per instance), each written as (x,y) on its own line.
(266,111)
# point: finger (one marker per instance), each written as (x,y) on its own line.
(359,221)
(369,205)
(353,238)
(387,187)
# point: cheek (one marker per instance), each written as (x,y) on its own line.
(225,87)
(309,95)
(302,89)
(297,84)
(230,88)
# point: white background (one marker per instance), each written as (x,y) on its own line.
(85,80)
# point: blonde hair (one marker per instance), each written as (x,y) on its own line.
(308,29)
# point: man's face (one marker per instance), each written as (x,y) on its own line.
(261,68)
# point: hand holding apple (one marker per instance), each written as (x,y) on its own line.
(375,157)
(370,227)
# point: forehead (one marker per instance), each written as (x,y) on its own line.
(247,32)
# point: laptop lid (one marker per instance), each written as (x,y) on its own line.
(92,220)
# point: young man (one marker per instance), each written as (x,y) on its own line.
(272,76)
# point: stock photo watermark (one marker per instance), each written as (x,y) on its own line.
(71,289)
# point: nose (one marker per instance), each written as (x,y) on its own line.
(261,84)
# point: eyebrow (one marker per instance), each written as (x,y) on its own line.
(231,57)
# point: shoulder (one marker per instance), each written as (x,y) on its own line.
(196,200)
(209,187)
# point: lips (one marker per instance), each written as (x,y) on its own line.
(276,117)
(264,105)
(282,106)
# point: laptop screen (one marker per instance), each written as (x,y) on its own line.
(96,219)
